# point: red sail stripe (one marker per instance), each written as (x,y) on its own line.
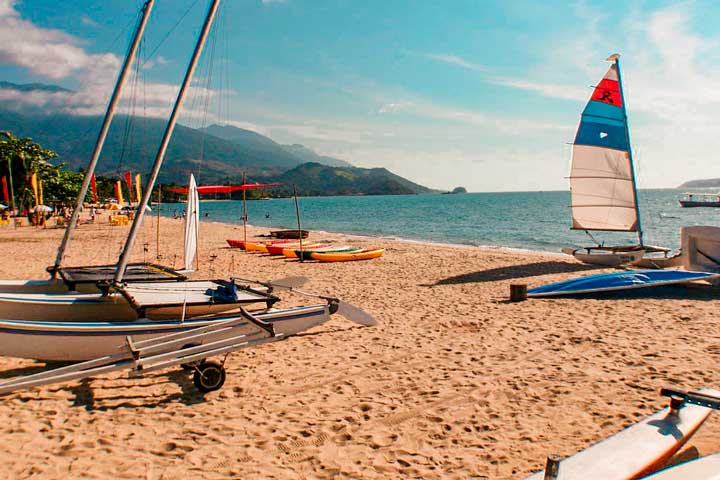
(223,188)
(608,91)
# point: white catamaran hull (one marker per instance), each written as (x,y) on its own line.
(606,259)
(156,300)
(77,341)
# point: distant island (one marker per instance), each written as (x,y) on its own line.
(456,190)
(703,183)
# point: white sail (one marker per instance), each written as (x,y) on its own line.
(602,184)
(192,221)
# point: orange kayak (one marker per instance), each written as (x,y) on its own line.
(348,256)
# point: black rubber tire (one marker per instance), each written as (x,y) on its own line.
(209,376)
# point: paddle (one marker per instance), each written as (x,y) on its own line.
(347,310)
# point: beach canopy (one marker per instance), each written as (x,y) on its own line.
(42,208)
(224,188)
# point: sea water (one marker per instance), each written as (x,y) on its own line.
(524,220)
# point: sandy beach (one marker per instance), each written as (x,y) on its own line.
(455,382)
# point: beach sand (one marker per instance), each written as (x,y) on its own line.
(454,382)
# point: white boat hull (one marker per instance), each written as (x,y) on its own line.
(606,259)
(157,301)
(78,341)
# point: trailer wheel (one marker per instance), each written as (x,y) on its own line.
(209,376)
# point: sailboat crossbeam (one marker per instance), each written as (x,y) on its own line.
(624,179)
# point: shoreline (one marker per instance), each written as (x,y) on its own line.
(365,237)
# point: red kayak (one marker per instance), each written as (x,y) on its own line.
(236,244)
(241,243)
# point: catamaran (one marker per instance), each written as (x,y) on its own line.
(155,298)
(603,188)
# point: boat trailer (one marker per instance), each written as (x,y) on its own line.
(189,349)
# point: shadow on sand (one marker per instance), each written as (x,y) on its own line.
(513,272)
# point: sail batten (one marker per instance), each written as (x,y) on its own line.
(602,182)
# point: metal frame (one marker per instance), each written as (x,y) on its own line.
(158,353)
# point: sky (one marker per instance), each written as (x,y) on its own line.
(478,93)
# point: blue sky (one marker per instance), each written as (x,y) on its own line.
(475,93)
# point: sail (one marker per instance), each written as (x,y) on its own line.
(192,220)
(602,185)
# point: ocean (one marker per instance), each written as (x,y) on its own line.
(523,220)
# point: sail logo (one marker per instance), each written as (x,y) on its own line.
(603,134)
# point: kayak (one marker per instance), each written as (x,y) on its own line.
(241,243)
(290,252)
(236,244)
(348,256)
(306,253)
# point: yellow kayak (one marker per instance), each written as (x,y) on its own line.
(255,247)
(348,256)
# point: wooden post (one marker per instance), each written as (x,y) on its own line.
(552,467)
(518,292)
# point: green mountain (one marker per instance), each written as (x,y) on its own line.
(29,87)
(308,155)
(216,154)
(317,180)
(248,137)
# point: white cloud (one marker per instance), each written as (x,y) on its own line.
(56,55)
(456,60)
(50,53)
(88,21)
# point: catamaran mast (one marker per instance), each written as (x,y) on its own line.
(616,58)
(137,221)
(109,114)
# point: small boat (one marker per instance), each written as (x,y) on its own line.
(306,254)
(132,301)
(348,256)
(236,244)
(76,341)
(690,200)
(624,280)
(290,252)
(241,243)
(638,450)
(277,248)
(290,233)
(603,186)
(607,256)
(703,468)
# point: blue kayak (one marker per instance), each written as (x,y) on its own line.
(626,280)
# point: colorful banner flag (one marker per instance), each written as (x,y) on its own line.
(119,193)
(138,188)
(40,193)
(93,185)
(128,181)
(34,184)
(5,190)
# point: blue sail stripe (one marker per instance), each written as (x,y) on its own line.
(614,115)
(601,135)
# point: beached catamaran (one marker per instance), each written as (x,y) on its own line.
(602,177)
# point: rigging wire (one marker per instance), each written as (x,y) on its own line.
(172,29)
